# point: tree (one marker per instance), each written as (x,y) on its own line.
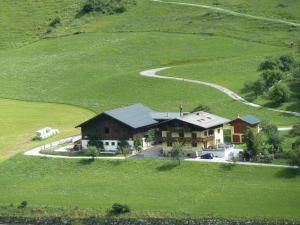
(253,142)
(258,87)
(137,143)
(271,77)
(268,64)
(123,147)
(94,141)
(296,82)
(279,93)
(272,138)
(287,62)
(150,137)
(295,156)
(295,132)
(176,151)
(93,152)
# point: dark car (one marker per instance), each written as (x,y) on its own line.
(207,156)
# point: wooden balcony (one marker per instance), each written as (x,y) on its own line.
(185,139)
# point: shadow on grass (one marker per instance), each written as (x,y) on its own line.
(227,166)
(116,162)
(288,173)
(167,167)
(86,161)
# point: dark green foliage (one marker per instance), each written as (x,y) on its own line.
(138,143)
(295,156)
(176,151)
(279,93)
(283,63)
(87,8)
(295,132)
(273,71)
(107,7)
(253,142)
(295,153)
(118,208)
(93,152)
(150,137)
(296,81)
(55,22)
(23,205)
(123,147)
(270,77)
(94,141)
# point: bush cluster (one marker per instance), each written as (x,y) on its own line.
(107,7)
(118,208)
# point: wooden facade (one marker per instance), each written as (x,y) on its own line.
(107,128)
(238,129)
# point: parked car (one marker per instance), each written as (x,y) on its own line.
(207,156)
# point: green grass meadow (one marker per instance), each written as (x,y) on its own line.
(154,187)
(20,120)
(62,76)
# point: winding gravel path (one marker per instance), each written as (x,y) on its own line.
(153,73)
(230,12)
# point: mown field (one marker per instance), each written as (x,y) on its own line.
(19,120)
(93,62)
(157,188)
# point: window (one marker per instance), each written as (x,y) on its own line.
(211,132)
(205,133)
(194,135)
(169,144)
(106,130)
(106,143)
(219,131)
(194,144)
(181,134)
(113,143)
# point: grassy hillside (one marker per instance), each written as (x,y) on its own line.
(224,71)
(19,28)
(19,121)
(23,22)
(101,71)
(281,9)
(153,187)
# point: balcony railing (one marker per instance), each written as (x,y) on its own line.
(185,139)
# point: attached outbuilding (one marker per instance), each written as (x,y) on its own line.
(240,125)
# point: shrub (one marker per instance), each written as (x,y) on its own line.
(87,8)
(54,22)
(118,208)
(108,7)
(23,205)
(279,93)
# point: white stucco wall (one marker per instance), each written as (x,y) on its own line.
(109,145)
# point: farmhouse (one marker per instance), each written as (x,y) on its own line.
(240,125)
(195,131)
(124,123)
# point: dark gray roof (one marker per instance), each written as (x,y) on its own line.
(250,119)
(135,116)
